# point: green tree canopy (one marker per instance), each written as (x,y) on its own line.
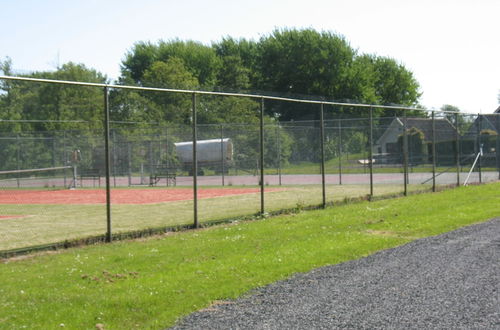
(43,104)
(200,60)
(287,62)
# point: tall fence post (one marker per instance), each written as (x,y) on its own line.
(322,145)
(261,138)
(405,153)
(65,161)
(370,161)
(340,150)
(129,161)
(479,146)
(195,162)
(18,158)
(109,236)
(433,152)
(497,147)
(113,148)
(278,147)
(457,148)
(222,160)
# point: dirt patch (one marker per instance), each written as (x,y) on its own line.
(118,196)
(388,233)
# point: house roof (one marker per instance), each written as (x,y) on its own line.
(490,121)
(497,110)
(444,130)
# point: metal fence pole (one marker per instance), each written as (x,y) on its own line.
(457,148)
(113,148)
(109,236)
(18,158)
(322,145)
(261,138)
(195,162)
(278,147)
(340,151)
(433,152)
(479,147)
(222,152)
(65,161)
(405,153)
(370,161)
(129,158)
(497,147)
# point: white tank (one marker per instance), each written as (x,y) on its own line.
(208,151)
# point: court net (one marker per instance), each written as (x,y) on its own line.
(49,177)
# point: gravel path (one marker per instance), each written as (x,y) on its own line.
(451,281)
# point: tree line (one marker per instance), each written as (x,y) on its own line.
(287,62)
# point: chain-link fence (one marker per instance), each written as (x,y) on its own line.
(72,169)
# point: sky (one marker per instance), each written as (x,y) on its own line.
(451,46)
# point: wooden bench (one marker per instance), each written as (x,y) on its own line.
(91,174)
(163,172)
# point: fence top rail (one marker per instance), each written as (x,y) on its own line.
(185,91)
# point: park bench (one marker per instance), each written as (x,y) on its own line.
(159,172)
(90,174)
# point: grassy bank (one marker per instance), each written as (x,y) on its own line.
(151,283)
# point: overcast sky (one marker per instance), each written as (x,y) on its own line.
(451,46)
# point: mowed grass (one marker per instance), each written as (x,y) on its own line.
(42,224)
(149,284)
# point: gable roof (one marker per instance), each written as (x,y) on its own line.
(444,130)
(490,121)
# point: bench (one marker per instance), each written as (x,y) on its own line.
(91,174)
(163,172)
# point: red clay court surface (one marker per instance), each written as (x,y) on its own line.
(118,196)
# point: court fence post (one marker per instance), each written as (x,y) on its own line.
(340,149)
(18,158)
(195,162)
(457,148)
(109,236)
(261,151)
(222,158)
(405,153)
(370,161)
(322,145)
(278,147)
(479,146)
(433,152)
(497,147)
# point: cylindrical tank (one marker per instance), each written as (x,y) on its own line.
(209,152)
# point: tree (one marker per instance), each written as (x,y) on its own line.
(47,103)
(200,60)
(238,59)
(304,62)
(288,62)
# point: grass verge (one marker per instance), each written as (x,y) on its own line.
(151,283)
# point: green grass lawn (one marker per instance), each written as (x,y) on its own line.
(151,283)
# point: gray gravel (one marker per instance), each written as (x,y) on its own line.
(451,281)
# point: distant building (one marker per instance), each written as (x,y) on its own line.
(490,122)
(388,141)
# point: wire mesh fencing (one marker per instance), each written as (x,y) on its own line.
(122,161)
